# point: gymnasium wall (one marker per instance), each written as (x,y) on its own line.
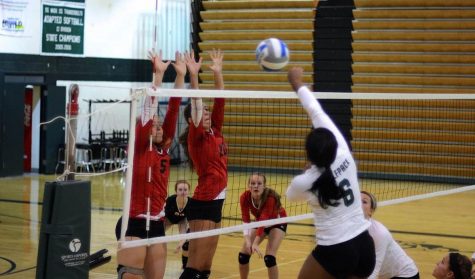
(117,36)
(115,29)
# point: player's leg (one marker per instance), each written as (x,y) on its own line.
(130,261)
(202,216)
(202,250)
(245,256)
(275,237)
(185,246)
(184,255)
(156,258)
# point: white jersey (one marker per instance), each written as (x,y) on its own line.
(335,224)
(391,260)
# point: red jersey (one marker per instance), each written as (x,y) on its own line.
(208,151)
(152,166)
(266,211)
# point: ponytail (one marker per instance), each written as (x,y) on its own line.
(321,147)
(326,189)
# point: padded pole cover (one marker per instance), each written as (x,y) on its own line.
(65,234)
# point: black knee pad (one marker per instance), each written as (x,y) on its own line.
(244,258)
(270,261)
(190,273)
(185,246)
(205,274)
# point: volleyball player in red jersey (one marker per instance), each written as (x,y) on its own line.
(150,179)
(207,152)
(264,204)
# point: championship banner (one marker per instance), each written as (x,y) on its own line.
(63,27)
(15,17)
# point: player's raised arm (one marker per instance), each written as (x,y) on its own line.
(196,103)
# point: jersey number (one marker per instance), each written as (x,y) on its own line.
(348,197)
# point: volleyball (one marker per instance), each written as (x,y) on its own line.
(272,54)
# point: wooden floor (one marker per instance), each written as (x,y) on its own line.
(426,229)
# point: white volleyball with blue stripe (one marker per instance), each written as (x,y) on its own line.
(272,54)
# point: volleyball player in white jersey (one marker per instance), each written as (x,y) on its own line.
(330,185)
(391,260)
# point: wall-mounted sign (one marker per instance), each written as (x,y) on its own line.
(63,27)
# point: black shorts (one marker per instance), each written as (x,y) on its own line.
(282,227)
(204,210)
(137,228)
(355,257)
(413,277)
(173,219)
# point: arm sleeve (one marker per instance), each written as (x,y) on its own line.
(382,238)
(318,116)
(301,184)
(217,117)
(169,123)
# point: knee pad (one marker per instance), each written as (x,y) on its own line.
(190,273)
(244,258)
(270,261)
(121,270)
(185,246)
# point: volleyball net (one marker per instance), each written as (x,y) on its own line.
(407,146)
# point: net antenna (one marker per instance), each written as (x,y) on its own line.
(155,26)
